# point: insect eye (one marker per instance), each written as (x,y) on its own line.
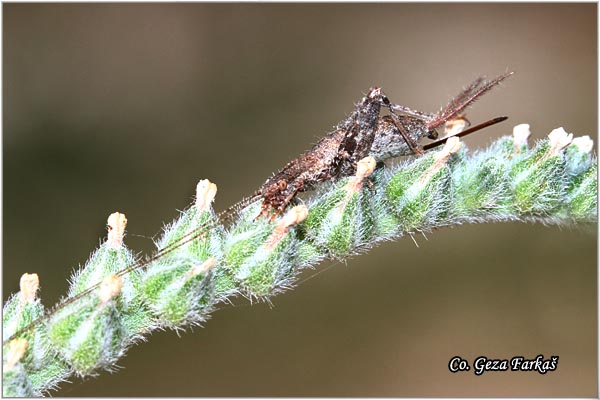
(432,134)
(385,100)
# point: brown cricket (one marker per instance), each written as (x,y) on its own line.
(365,132)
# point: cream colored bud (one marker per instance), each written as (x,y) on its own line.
(301,213)
(559,139)
(205,194)
(451,146)
(16,351)
(365,167)
(204,267)
(293,217)
(456,125)
(116,225)
(29,285)
(521,133)
(584,143)
(110,287)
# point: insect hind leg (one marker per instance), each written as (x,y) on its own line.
(411,143)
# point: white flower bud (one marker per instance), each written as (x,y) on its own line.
(521,133)
(205,194)
(29,285)
(583,143)
(559,139)
(116,225)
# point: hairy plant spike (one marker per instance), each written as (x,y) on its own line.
(582,170)
(208,245)
(271,264)
(43,369)
(419,194)
(195,252)
(540,179)
(22,308)
(581,204)
(340,221)
(580,155)
(111,257)
(179,291)
(90,334)
(554,182)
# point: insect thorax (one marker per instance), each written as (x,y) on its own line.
(388,141)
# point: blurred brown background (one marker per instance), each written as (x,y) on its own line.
(125,106)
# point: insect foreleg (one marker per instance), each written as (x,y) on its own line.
(412,145)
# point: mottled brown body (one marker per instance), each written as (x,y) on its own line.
(321,163)
(363,133)
(315,165)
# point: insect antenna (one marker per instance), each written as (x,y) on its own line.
(466,132)
(465,98)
